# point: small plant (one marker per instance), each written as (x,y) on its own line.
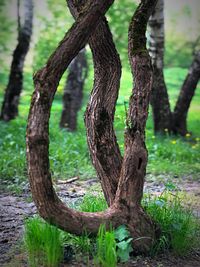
(106,248)
(83,243)
(43,243)
(123,239)
(180,228)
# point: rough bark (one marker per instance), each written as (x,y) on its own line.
(73,91)
(126,208)
(99,116)
(185,97)
(159,98)
(12,94)
(46,81)
(131,183)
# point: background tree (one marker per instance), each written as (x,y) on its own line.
(12,93)
(185,97)
(159,97)
(163,118)
(125,206)
(73,91)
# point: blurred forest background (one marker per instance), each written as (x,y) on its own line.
(171,191)
(69,155)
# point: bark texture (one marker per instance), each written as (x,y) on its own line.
(126,207)
(73,91)
(12,94)
(159,99)
(185,97)
(99,115)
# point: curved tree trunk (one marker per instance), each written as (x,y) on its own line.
(159,99)
(185,97)
(12,94)
(126,208)
(102,142)
(73,91)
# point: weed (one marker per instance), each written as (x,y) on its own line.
(180,228)
(124,246)
(43,243)
(106,248)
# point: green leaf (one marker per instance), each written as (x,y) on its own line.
(123,245)
(121,233)
(124,249)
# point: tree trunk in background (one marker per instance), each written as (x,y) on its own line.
(126,207)
(163,118)
(185,97)
(159,98)
(12,94)
(73,91)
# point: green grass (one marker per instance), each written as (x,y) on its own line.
(180,229)
(43,243)
(93,202)
(106,255)
(180,233)
(69,155)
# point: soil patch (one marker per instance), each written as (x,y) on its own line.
(15,208)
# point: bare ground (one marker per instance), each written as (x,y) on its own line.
(15,208)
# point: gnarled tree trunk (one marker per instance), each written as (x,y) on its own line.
(12,94)
(73,91)
(126,206)
(185,97)
(102,142)
(159,99)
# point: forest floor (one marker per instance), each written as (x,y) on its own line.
(15,208)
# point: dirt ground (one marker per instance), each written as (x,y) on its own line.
(15,208)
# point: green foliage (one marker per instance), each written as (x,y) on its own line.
(69,155)
(124,246)
(171,154)
(173,57)
(121,233)
(93,203)
(60,20)
(82,244)
(106,248)
(119,27)
(180,228)
(6,30)
(43,243)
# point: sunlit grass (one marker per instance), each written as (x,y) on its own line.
(43,243)
(69,155)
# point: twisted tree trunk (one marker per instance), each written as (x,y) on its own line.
(12,94)
(73,91)
(185,97)
(159,99)
(126,207)
(102,142)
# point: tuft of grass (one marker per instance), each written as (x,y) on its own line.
(43,243)
(93,203)
(106,248)
(180,228)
